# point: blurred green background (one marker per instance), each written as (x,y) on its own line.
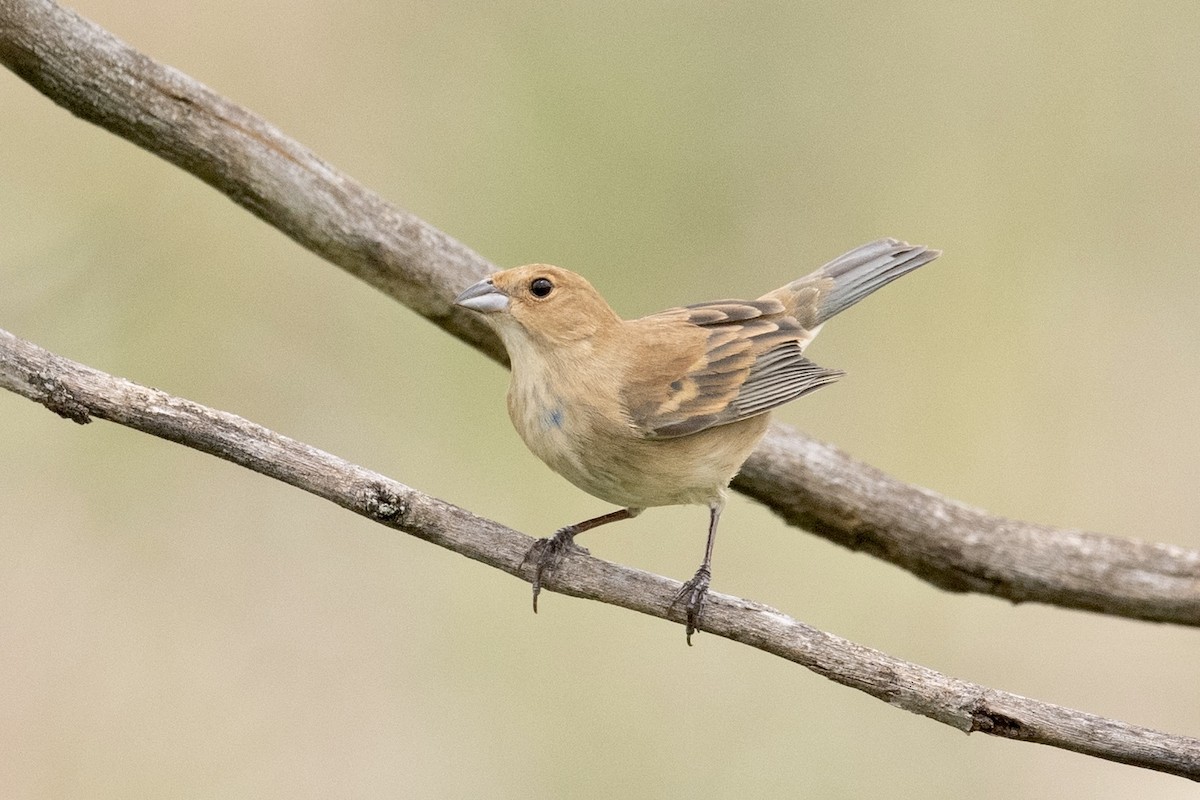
(175,626)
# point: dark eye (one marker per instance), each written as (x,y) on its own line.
(540,287)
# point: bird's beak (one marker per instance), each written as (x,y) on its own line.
(484,297)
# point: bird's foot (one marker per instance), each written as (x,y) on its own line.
(546,553)
(692,595)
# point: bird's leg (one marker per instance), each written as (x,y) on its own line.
(546,553)
(693,592)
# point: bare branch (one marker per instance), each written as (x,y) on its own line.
(99,78)
(963,549)
(85,69)
(80,393)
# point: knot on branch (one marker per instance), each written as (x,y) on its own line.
(382,503)
(60,399)
(992,722)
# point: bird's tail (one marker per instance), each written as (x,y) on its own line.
(849,278)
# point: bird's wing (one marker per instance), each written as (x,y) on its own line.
(715,363)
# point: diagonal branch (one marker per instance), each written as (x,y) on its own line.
(963,549)
(80,393)
(88,71)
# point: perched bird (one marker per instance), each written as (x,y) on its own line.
(662,410)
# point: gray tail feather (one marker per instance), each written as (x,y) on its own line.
(863,270)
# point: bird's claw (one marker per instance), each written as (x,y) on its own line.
(692,595)
(546,553)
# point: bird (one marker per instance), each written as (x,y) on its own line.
(664,409)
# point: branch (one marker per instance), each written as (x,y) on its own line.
(963,549)
(79,393)
(86,70)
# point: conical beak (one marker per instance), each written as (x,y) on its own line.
(483,297)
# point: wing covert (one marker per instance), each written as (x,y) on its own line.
(749,361)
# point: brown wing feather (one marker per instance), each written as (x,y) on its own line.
(717,363)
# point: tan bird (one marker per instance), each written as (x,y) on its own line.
(662,410)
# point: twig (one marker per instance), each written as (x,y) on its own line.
(80,393)
(88,71)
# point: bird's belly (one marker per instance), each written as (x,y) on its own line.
(689,469)
(611,461)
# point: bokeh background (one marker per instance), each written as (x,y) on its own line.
(174,626)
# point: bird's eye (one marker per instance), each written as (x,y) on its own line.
(541,287)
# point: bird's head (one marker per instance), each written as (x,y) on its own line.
(539,303)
